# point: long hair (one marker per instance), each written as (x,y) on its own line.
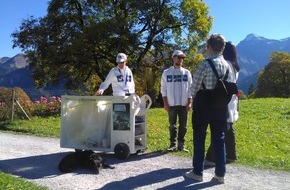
(230,54)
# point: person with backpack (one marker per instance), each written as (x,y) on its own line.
(230,54)
(205,113)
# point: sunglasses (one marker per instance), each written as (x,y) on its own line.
(121,62)
(179,57)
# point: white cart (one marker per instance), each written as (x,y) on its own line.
(114,124)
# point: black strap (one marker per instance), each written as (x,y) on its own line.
(215,72)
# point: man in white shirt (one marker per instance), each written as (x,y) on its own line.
(176,94)
(120,77)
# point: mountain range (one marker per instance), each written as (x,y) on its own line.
(253,55)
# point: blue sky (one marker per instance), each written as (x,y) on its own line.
(235,19)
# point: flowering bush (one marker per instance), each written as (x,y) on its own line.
(43,108)
(6,103)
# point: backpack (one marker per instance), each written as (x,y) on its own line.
(222,93)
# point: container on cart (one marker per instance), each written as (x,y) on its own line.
(115,124)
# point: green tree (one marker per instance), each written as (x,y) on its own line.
(77,40)
(274,79)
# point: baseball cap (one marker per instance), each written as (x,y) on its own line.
(178,53)
(121,57)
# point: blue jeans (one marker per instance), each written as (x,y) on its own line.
(230,141)
(181,113)
(203,115)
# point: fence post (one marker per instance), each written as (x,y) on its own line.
(13,98)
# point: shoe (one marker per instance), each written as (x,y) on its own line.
(182,149)
(209,163)
(191,175)
(172,149)
(219,179)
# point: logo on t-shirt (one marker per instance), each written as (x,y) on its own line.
(120,78)
(177,78)
(185,78)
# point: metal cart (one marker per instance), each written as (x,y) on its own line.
(112,124)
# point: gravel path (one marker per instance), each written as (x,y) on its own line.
(36,159)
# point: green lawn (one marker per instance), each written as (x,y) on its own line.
(9,182)
(262,133)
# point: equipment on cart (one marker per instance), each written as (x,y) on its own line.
(105,123)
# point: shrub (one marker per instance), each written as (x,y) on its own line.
(43,108)
(6,103)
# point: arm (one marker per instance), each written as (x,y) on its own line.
(163,90)
(106,83)
(133,83)
(189,102)
(165,102)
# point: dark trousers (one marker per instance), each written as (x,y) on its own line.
(180,113)
(203,115)
(230,142)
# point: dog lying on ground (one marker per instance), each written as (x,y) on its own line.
(86,159)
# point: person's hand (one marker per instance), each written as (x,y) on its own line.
(166,106)
(99,92)
(188,106)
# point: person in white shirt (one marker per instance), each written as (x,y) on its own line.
(176,94)
(120,77)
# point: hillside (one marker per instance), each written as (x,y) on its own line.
(254,52)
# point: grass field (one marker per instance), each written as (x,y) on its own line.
(9,182)
(262,132)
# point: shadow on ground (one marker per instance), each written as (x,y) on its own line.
(35,167)
(46,166)
(159,176)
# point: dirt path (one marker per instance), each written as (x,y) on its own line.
(36,159)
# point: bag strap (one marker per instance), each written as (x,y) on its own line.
(215,71)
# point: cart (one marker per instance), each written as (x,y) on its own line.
(110,124)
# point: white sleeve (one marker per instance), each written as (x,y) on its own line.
(189,84)
(108,81)
(132,83)
(163,88)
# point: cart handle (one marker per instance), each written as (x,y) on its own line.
(144,99)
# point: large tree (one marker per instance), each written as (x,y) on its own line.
(274,79)
(77,40)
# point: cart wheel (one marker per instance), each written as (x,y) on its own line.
(122,150)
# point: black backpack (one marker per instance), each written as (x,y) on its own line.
(222,93)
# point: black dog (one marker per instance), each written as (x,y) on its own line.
(86,159)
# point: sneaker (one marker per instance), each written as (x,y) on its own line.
(172,149)
(219,179)
(209,163)
(191,175)
(182,149)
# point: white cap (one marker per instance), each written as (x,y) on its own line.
(178,53)
(121,57)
